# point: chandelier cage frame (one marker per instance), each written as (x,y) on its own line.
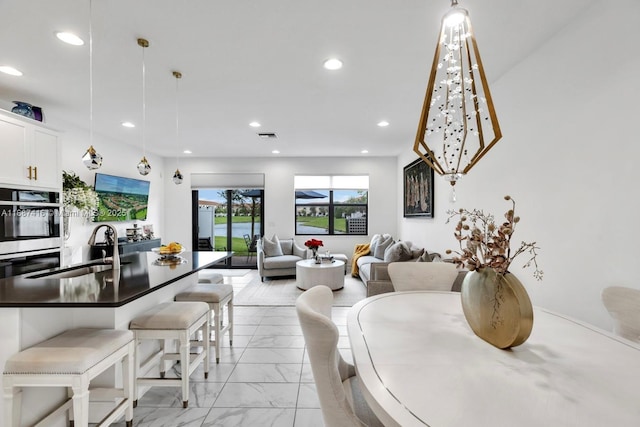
(458,123)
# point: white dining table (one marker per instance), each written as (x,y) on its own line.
(420,364)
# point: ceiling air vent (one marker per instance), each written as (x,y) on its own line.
(267,135)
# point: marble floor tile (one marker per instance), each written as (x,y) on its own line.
(250,417)
(276,341)
(308,418)
(266,373)
(306,375)
(308,396)
(218,372)
(167,417)
(201,395)
(272,355)
(258,395)
(244,330)
(278,330)
(280,320)
(239,341)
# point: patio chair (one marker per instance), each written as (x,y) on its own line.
(251,244)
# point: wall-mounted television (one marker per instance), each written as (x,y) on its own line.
(120,198)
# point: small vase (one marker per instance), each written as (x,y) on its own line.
(24,109)
(497,307)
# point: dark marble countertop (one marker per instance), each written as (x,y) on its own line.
(140,274)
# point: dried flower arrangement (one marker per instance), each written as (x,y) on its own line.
(485,244)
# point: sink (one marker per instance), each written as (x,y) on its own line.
(75,271)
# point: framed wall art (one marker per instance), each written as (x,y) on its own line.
(418,189)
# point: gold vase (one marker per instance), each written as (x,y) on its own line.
(497,307)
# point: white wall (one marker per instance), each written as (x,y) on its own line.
(118,159)
(279,201)
(568,157)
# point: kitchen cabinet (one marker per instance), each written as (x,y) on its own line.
(30,153)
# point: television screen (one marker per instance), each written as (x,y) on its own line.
(121,199)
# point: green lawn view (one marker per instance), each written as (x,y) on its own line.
(238,245)
(323,222)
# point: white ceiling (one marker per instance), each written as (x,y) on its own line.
(246,60)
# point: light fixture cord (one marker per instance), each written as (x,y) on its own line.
(144,106)
(177,124)
(90,73)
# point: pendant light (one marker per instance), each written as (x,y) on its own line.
(144,167)
(91,159)
(458,124)
(177,176)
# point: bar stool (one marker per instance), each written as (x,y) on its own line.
(208,276)
(170,322)
(217,296)
(72,359)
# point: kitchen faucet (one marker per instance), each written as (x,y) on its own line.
(115,258)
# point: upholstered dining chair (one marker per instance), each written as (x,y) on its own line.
(338,387)
(431,276)
(623,305)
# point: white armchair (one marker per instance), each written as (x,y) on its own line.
(278,257)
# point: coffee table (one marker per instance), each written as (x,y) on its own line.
(309,274)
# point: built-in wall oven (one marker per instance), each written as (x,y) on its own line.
(29,230)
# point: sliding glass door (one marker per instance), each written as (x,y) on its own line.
(228,220)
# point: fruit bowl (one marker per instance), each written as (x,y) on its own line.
(166,252)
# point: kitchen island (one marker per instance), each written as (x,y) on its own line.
(33,309)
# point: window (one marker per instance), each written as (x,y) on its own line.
(331,204)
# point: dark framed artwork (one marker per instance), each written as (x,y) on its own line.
(418,189)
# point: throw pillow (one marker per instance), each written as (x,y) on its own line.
(397,252)
(425,257)
(374,243)
(382,246)
(272,247)
(416,252)
(287,246)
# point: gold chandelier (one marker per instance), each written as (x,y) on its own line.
(458,124)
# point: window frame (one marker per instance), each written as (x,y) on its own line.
(330,207)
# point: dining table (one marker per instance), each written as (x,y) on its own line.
(420,364)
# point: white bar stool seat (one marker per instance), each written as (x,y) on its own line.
(167,322)
(217,296)
(72,359)
(208,276)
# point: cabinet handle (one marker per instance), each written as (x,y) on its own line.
(35,173)
(29,168)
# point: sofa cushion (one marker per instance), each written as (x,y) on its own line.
(397,252)
(382,246)
(283,261)
(272,247)
(287,246)
(374,243)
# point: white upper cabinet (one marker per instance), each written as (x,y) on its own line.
(30,153)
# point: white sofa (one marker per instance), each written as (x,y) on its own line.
(273,262)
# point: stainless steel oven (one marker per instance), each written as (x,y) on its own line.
(29,220)
(27,262)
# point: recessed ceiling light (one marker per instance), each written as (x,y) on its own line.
(69,38)
(255,124)
(10,70)
(332,64)
(275,152)
(383,123)
(128,124)
(364,152)
(187,151)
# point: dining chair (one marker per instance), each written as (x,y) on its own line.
(338,388)
(431,276)
(623,305)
